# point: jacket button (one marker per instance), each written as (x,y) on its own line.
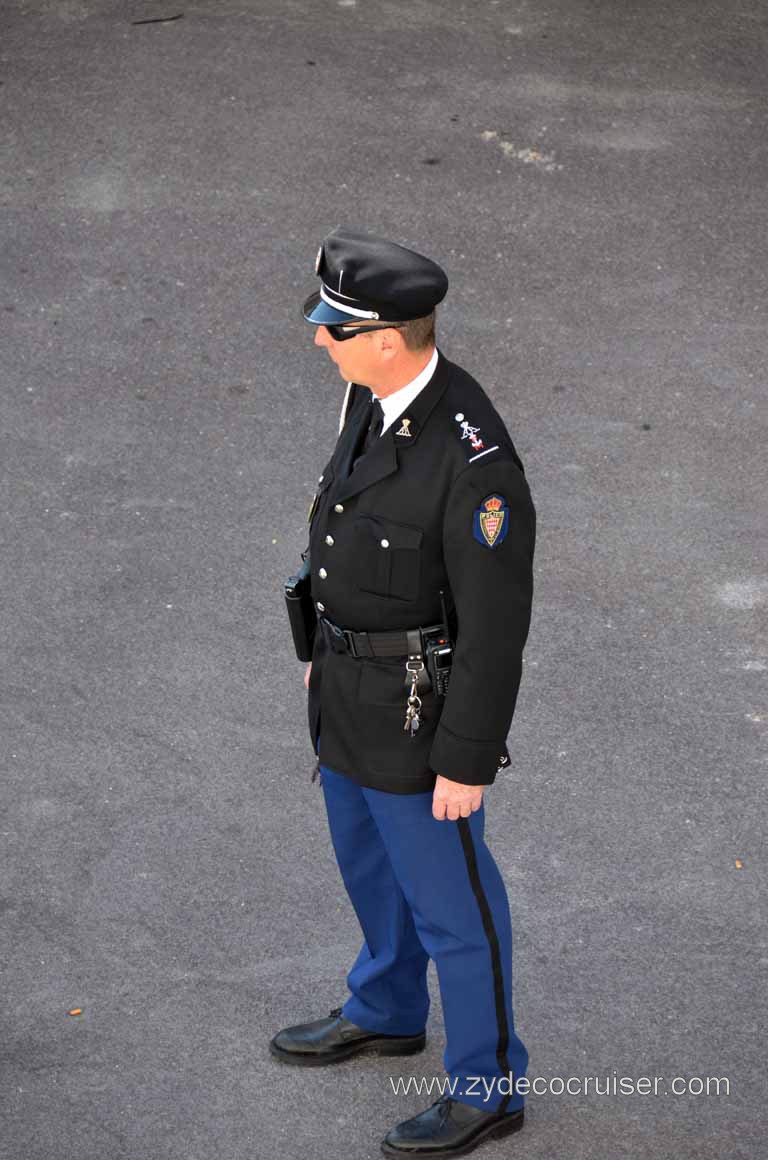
(338,507)
(322,573)
(320,480)
(329,539)
(320,607)
(385,543)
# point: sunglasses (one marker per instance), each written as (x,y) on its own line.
(343,332)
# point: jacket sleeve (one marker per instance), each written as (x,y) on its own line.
(492,588)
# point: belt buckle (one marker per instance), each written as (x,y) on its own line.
(336,636)
(349,637)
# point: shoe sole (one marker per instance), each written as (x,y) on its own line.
(500,1128)
(410,1045)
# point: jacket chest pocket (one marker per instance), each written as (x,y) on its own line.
(387,557)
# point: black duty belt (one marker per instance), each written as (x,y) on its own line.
(400,643)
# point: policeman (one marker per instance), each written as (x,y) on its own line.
(421,542)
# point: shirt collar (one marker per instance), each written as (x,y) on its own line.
(394,405)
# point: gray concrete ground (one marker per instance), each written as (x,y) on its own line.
(593,178)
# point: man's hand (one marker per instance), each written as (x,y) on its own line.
(306,675)
(452,800)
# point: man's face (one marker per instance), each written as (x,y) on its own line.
(359,359)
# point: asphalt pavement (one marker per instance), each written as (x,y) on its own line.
(592,176)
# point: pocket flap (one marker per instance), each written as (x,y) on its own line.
(388,533)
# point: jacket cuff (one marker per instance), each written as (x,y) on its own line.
(466,761)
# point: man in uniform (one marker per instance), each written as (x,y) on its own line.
(421,544)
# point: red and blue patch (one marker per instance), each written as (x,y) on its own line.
(491,521)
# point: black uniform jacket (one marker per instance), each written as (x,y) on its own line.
(421,512)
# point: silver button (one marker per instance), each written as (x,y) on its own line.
(329,539)
(459,417)
(385,543)
(321,607)
(338,507)
(320,480)
(322,573)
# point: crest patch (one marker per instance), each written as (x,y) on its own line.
(491,521)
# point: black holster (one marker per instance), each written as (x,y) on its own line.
(301,611)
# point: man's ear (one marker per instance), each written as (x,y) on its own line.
(389,342)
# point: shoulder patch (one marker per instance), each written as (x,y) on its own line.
(476,446)
(490,522)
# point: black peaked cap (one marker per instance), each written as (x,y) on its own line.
(367,278)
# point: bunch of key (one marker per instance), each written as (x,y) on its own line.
(412,714)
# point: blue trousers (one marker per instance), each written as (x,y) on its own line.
(426,889)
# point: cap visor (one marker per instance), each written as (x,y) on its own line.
(318,311)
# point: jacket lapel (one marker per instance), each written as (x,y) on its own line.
(382,459)
(352,433)
(378,461)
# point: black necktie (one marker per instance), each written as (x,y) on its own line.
(373,432)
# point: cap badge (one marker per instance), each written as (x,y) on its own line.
(404,429)
(471,434)
(491,521)
(318,260)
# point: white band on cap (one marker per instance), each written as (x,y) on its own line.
(343,306)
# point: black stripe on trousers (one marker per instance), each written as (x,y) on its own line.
(493,942)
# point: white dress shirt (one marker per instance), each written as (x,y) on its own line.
(394,404)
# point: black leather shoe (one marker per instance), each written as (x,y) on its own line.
(448,1128)
(331,1039)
